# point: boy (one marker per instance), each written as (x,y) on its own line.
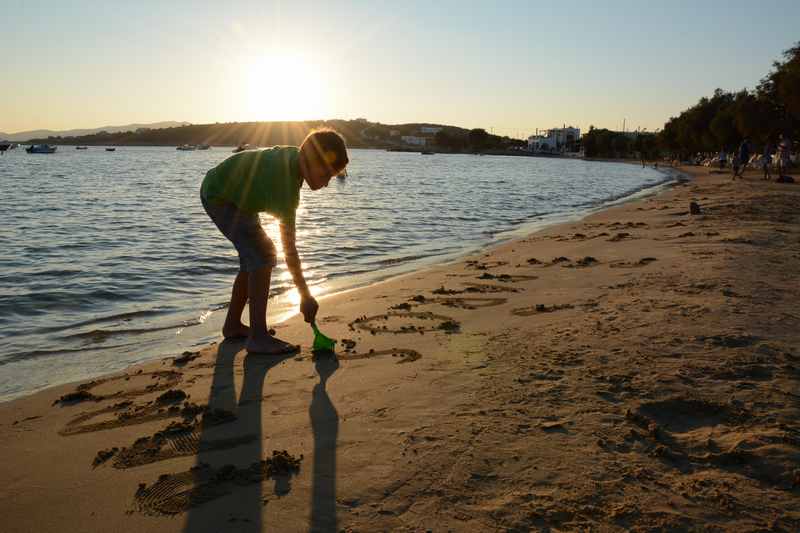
(269,180)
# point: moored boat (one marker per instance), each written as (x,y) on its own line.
(81,147)
(186,148)
(4,145)
(242,148)
(40,149)
(203,146)
(111,149)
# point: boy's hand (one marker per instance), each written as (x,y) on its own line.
(309,308)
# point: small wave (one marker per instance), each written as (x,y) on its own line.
(100,335)
(110,318)
(32,354)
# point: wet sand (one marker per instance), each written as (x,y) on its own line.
(636,370)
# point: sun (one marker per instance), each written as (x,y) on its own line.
(283,86)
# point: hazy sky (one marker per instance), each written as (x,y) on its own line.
(509,66)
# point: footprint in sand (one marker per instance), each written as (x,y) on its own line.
(679,431)
(406,322)
(173,494)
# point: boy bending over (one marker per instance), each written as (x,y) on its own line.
(268,180)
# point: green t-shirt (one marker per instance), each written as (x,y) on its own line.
(258,180)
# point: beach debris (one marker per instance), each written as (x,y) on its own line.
(442,290)
(694,208)
(587,261)
(418,298)
(534,261)
(540,308)
(449,326)
(76,397)
(405,306)
(185,358)
(348,345)
(619,236)
(560,259)
(171,396)
(103,456)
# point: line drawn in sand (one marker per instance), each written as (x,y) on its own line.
(410,322)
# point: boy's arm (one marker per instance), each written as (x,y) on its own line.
(308,305)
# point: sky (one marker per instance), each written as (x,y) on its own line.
(509,67)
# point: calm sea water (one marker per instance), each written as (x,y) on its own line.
(107,258)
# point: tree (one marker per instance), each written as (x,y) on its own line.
(478,138)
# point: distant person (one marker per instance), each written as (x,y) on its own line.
(744,155)
(723,159)
(784,153)
(766,160)
(735,164)
(268,180)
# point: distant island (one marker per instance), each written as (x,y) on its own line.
(360,133)
(25,136)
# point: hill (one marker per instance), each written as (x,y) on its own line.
(40,134)
(360,133)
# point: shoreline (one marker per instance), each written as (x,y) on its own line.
(631,370)
(284,310)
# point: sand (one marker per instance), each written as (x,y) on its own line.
(634,371)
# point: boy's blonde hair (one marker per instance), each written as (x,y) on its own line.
(327,147)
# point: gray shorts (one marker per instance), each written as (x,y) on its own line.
(244,230)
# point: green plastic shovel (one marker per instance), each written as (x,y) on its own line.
(321,342)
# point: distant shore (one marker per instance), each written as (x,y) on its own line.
(630,370)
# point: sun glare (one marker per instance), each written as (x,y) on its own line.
(283,86)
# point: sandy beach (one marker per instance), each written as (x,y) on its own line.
(634,371)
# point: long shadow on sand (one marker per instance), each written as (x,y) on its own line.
(242,510)
(325,425)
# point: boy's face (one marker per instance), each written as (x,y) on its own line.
(317,176)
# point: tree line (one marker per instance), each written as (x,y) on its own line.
(719,121)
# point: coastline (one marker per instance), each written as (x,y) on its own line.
(622,387)
(199,331)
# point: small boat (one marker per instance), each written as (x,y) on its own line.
(40,149)
(426,152)
(4,145)
(242,148)
(203,146)
(111,149)
(186,148)
(81,147)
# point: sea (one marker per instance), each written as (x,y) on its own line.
(108,258)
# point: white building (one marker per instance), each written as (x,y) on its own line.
(433,130)
(556,140)
(414,140)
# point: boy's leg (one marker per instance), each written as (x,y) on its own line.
(260,341)
(233,326)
